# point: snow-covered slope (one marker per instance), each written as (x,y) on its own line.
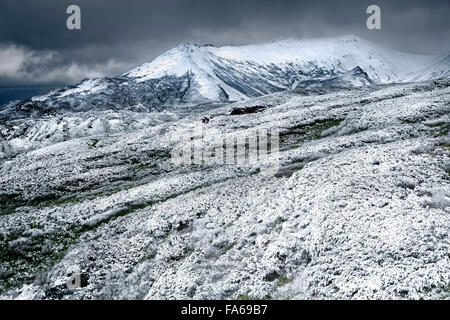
(359,209)
(437,69)
(353,78)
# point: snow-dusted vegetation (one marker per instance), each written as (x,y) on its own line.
(360,207)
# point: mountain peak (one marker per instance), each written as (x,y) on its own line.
(186,46)
(275,66)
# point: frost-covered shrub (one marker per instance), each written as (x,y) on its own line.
(445,141)
(329,131)
(439,199)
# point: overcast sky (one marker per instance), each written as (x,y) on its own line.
(37,48)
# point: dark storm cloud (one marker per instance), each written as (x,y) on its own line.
(36,47)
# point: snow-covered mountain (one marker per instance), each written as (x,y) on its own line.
(191,73)
(189,78)
(240,72)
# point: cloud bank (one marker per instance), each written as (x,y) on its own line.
(116,35)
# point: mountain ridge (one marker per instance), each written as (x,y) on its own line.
(291,60)
(195,73)
(192,78)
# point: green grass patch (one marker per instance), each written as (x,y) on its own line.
(283,280)
(23,262)
(440,129)
(94,143)
(9,203)
(244,296)
(303,133)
